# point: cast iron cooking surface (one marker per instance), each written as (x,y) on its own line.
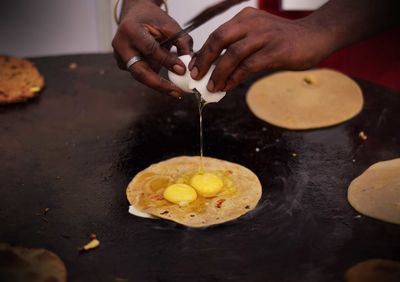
(76,147)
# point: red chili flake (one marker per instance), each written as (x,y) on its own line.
(218,204)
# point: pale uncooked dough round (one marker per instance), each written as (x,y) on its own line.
(376,192)
(374,270)
(305,99)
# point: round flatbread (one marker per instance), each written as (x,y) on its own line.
(376,192)
(19,80)
(305,99)
(374,270)
(241,192)
(20,264)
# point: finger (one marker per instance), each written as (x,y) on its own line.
(123,52)
(148,46)
(153,31)
(221,38)
(120,62)
(184,45)
(154,65)
(233,56)
(142,72)
(247,67)
(120,45)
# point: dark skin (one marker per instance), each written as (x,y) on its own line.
(142,26)
(256,40)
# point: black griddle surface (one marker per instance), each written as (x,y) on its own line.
(76,147)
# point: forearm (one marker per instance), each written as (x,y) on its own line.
(349,21)
(127,4)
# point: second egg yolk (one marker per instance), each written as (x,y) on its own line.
(207,184)
(181,194)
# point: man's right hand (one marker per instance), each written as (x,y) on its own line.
(142,26)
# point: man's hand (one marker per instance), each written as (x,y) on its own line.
(143,25)
(256,40)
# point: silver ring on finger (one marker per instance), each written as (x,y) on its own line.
(133,61)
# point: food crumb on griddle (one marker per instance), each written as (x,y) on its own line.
(362,135)
(42,215)
(44,219)
(93,244)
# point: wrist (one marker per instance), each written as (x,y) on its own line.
(157,2)
(320,34)
(126,5)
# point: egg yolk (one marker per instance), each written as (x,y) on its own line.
(181,194)
(207,184)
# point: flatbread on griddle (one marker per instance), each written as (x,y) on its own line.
(242,193)
(19,264)
(376,192)
(19,80)
(305,99)
(374,270)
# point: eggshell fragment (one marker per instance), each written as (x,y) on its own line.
(136,212)
(188,84)
(201,87)
(182,81)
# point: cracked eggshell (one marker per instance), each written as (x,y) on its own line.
(136,212)
(187,83)
(182,81)
(201,87)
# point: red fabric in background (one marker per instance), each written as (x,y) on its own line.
(376,59)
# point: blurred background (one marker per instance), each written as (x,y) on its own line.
(56,27)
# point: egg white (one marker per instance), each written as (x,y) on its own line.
(188,84)
(134,211)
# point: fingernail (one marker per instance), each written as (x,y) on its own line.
(195,72)
(191,64)
(210,86)
(179,69)
(175,94)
